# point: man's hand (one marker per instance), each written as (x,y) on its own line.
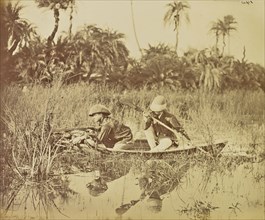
(90,142)
(146,116)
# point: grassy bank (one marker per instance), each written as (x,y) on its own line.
(234,113)
(28,116)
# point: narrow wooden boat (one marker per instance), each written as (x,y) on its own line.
(142,147)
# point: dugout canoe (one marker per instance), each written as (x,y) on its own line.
(141,147)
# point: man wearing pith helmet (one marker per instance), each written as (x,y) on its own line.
(161,136)
(112,133)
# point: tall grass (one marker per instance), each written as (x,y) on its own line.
(27,118)
(26,132)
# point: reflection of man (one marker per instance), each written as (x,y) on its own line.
(154,202)
(97,187)
(159,179)
(108,171)
(149,194)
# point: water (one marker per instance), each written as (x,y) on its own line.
(146,189)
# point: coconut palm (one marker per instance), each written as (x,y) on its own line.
(71,6)
(176,12)
(225,28)
(216,30)
(19,31)
(134,28)
(16,34)
(54,5)
(229,21)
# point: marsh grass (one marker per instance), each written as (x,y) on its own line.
(26,133)
(28,118)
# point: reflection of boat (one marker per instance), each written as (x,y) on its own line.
(141,147)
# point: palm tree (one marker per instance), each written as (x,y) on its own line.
(229,21)
(210,72)
(225,28)
(216,29)
(134,29)
(71,6)
(98,53)
(16,34)
(176,11)
(54,5)
(19,31)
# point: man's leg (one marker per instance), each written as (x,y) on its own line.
(164,143)
(150,136)
(123,146)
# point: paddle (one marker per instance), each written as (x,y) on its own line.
(124,208)
(137,108)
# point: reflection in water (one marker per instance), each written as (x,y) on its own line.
(156,179)
(107,171)
(97,186)
(28,199)
(135,188)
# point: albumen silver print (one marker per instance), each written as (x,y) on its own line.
(132,109)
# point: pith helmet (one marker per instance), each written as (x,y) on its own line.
(154,202)
(98,109)
(158,104)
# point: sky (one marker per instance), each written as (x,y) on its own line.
(150,27)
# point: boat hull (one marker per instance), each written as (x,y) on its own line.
(141,147)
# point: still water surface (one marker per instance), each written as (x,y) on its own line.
(155,190)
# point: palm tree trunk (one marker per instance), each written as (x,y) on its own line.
(176,19)
(177,40)
(223,49)
(134,29)
(71,20)
(216,43)
(228,39)
(55,29)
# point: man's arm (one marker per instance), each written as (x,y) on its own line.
(177,126)
(104,133)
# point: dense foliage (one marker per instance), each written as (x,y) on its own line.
(96,54)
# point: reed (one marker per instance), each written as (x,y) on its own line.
(27,118)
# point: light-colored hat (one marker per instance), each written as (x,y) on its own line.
(95,109)
(158,104)
(154,204)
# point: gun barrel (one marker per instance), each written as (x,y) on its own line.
(74,129)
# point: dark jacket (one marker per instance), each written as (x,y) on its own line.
(112,131)
(168,119)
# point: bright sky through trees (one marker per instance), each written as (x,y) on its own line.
(150,26)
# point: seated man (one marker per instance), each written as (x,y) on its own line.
(161,126)
(112,133)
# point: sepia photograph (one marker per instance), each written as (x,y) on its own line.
(132,109)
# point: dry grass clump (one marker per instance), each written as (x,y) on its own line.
(27,118)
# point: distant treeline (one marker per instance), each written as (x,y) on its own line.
(93,54)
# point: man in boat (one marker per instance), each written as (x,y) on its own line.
(112,133)
(161,127)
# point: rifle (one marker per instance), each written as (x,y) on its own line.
(137,108)
(65,130)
